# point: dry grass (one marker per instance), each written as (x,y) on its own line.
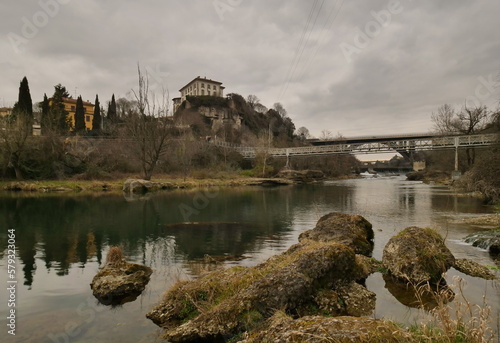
(458,321)
(115,256)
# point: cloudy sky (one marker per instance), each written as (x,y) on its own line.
(364,67)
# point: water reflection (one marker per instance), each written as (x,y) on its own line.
(61,240)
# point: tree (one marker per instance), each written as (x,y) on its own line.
(468,121)
(56,118)
(24,104)
(303,133)
(112,116)
(97,120)
(79,116)
(252,101)
(13,137)
(278,107)
(326,135)
(149,129)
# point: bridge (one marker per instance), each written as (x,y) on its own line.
(404,144)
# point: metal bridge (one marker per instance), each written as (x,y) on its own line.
(404,145)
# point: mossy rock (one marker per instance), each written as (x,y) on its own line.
(351,230)
(118,283)
(417,256)
(225,303)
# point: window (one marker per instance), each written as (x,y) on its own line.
(202,85)
(87,119)
(208,86)
(73,109)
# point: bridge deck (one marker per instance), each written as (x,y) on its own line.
(372,146)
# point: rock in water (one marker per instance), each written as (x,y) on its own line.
(417,256)
(121,282)
(352,230)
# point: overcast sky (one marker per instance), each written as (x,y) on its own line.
(364,67)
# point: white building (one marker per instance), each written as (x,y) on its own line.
(199,86)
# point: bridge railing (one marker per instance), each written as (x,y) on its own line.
(429,143)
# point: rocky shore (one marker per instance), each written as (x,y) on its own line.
(313,292)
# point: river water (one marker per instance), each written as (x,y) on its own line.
(62,240)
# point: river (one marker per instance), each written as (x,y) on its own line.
(62,240)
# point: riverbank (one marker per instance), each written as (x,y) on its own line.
(116,186)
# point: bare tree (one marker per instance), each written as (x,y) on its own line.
(14,133)
(326,135)
(252,101)
(303,132)
(149,127)
(468,121)
(278,107)
(444,119)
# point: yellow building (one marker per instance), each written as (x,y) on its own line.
(5,111)
(70,107)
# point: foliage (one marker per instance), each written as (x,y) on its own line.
(97,120)
(483,177)
(79,116)
(24,105)
(207,101)
(112,114)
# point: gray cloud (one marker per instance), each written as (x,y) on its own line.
(431,52)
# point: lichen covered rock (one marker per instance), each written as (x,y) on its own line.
(417,256)
(472,268)
(351,230)
(220,304)
(120,282)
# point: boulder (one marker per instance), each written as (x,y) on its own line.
(121,282)
(417,256)
(138,186)
(316,329)
(351,230)
(302,176)
(227,302)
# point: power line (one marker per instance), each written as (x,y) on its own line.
(299,47)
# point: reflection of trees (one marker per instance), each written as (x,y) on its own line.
(65,231)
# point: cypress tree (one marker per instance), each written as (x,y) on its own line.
(45,120)
(96,122)
(112,110)
(79,115)
(23,108)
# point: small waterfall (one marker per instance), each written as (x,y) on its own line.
(488,240)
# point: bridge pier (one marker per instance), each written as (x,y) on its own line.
(456,173)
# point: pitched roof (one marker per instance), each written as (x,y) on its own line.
(201,79)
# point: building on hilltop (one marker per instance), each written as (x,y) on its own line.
(70,107)
(199,86)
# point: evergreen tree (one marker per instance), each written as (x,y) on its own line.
(79,116)
(96,122)
(112,117)
(45,120)
(58,116)
(24,105)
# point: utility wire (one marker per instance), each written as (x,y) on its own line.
(299,47)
